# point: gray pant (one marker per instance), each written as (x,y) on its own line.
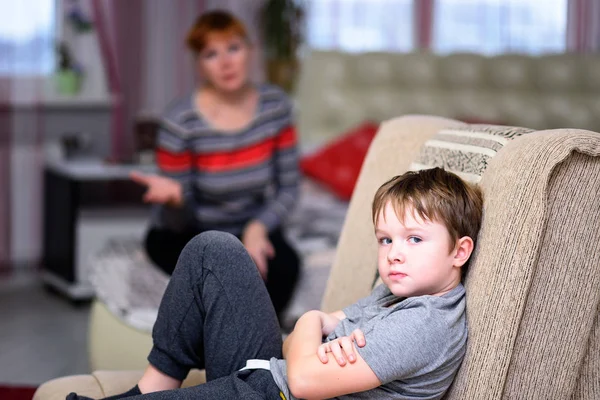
(216,314)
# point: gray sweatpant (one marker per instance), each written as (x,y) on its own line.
(216,314)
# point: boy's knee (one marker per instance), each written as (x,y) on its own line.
(213,240)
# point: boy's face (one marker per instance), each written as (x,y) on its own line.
(414,257)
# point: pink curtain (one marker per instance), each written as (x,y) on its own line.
(119,29)
(423,23)
(21,95)
(5,144)
(147,65)
(583,26)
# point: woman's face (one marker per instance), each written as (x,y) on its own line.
(224,62)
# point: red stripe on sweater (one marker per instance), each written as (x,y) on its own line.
(286,138)
(173,162)
(243,158)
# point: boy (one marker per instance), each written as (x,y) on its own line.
(404,341)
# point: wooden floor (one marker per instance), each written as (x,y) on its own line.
(43,336)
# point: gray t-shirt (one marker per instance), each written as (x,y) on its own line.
(413,346)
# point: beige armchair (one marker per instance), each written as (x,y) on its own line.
(532,291)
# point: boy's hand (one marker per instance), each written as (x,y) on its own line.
(342,348)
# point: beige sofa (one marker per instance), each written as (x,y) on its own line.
(532,291)
(337,90)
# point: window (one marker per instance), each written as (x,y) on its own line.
(500,26)
(27,37)
(360,25)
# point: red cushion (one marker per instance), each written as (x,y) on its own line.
(338,164)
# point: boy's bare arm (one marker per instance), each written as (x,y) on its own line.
(308,377)
(339,315)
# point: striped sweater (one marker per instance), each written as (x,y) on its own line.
(230,178)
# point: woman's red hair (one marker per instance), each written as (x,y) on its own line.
(214,23)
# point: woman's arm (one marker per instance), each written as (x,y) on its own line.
(174,158)
(171,187)
(308,377)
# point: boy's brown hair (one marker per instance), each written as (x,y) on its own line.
(435,195)
(216,22)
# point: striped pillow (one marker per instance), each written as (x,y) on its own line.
(466,150)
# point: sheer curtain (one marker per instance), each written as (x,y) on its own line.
(499,26)
(444,26)
(360,25)
(27,34)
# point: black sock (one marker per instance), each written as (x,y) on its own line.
(134,391)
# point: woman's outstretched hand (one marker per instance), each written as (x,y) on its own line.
(256,241)
(342,348)
(160,189)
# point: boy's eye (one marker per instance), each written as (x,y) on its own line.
(414,239)
(234,47)
(385,241)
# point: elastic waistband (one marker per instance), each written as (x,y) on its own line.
(257,364)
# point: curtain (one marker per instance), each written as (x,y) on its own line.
(423,26)
(26,55)
(5,145)
(363,25)
(499,26)
(583,26)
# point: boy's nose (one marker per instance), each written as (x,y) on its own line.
(396,255)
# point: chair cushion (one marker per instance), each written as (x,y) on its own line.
(101,384)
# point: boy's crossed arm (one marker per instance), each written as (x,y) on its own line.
(308,376)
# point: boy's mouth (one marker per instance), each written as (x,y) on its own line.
(397,275)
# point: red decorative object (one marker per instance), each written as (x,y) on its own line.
(8,392)
(338,164)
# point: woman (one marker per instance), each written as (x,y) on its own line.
(228,160)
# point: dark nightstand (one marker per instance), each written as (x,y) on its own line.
(86,203)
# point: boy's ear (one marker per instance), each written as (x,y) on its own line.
(463,250)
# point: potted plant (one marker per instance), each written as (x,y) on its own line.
(282,29)
(68,74)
